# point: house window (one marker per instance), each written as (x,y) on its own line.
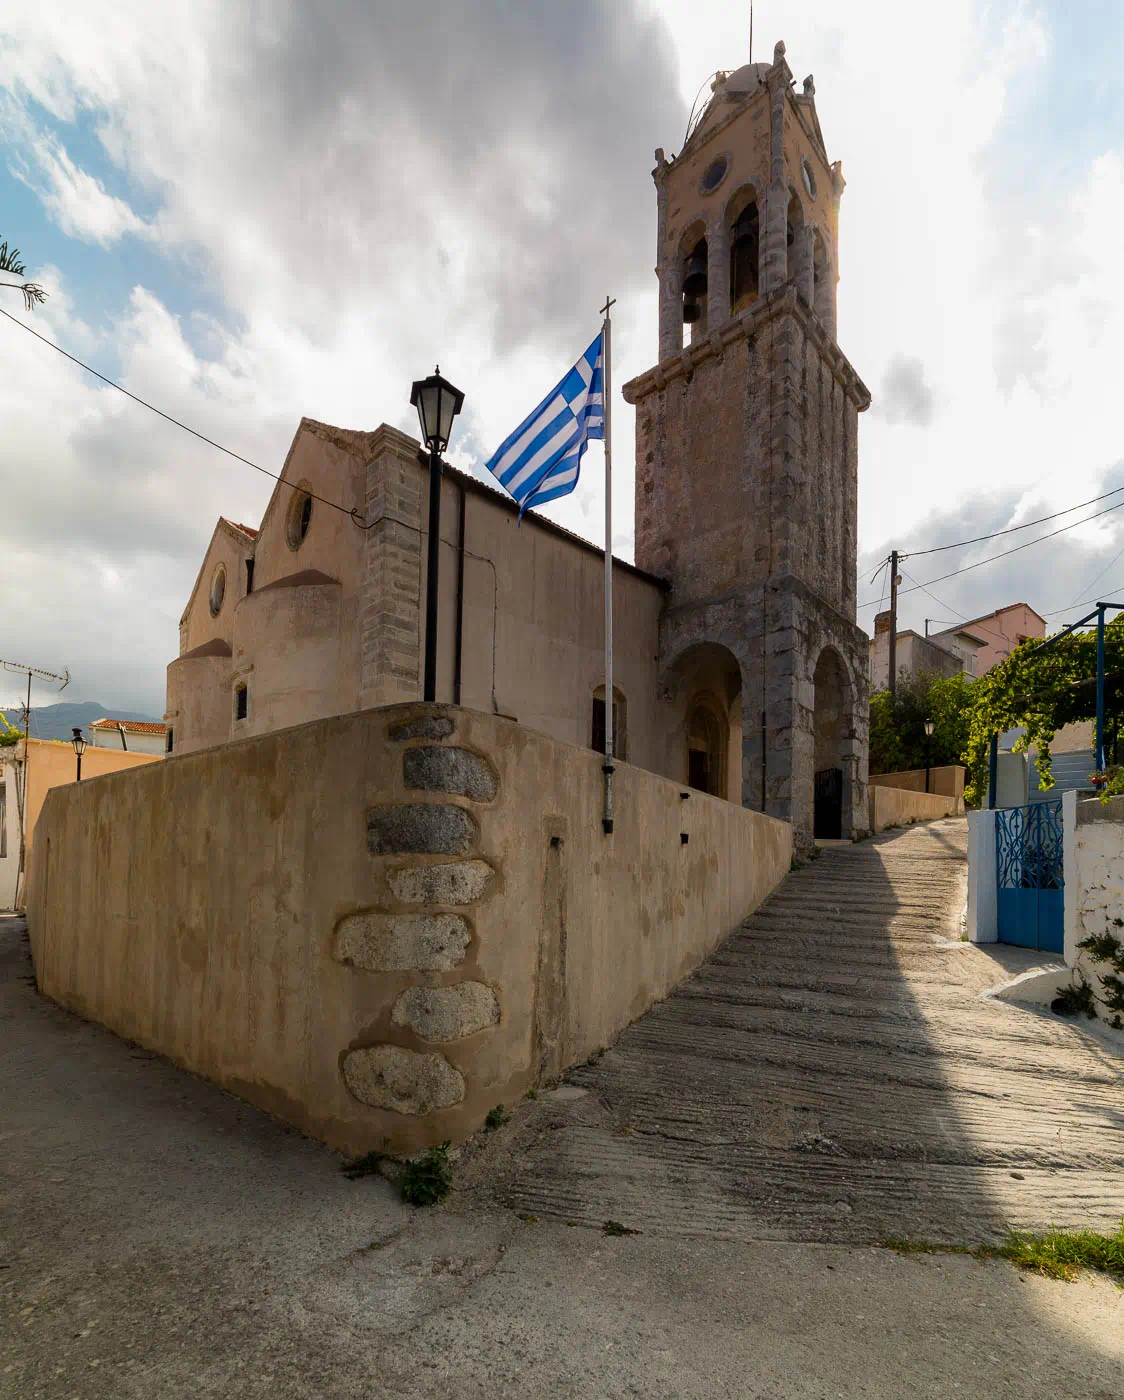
(241,702)
(168,741)
(299,517)
(249,576)
(218,590)
(620,723)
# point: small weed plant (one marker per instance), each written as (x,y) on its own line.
(367,1165)
(1081,998)
(614,1227)
(496,1118)
(428,1179)
(1059,1254)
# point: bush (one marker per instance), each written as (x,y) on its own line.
(428,1179)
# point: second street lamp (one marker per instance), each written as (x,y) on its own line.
(79,749)
(929,727)
(437,403)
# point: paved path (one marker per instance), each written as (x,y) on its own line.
(159,1238)
(831,1073)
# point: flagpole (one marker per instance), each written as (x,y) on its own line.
(607,412)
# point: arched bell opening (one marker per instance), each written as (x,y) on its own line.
(794,227)
(832,736)
(744,222)
(694,278)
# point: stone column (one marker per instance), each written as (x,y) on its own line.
(390,609)
(774,268)
(667,270)
(718,272)
(826,282)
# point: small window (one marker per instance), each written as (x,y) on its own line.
(168,741)
(241,702)
(249,576)
(218,590)
(809,177)
(299,517)
(714,175)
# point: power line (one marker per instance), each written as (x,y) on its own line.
(1011,529)
(168,418)
(967,568)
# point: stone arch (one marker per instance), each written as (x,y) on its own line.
(832,730)
(743,221)
(702,686)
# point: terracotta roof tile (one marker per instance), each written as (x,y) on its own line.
(130,726)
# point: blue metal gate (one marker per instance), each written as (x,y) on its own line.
(1028,859)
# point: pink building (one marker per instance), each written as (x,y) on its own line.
(1000,631)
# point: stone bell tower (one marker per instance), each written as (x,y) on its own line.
(746,444)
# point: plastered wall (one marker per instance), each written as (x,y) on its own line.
(380,925)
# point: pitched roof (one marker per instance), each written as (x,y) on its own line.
(130,726)
(245,529)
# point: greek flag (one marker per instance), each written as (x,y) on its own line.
(541,459)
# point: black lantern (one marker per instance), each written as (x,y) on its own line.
(79,749)
(929,727)
(437,403)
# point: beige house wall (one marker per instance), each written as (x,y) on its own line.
(380,925)
(946,781)
(902,806)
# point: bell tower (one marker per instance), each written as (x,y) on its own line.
(746,444)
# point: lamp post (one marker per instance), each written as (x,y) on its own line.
(929,727)
(79,749)
(437,403)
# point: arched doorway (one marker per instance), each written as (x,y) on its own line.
(832,733)
(707,746)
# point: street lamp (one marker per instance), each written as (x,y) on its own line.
(929,727)
(437,403)
(79,749)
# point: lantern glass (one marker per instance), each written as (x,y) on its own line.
(79,743)
(438,402)
(929,727)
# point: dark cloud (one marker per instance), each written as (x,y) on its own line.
(906,397)
(1055,576)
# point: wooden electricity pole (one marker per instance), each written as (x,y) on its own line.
(893,625)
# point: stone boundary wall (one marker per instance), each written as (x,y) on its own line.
(899,806)
(946,781)
(379,926)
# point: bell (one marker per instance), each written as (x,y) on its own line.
(695,281)
(745,230)
(692,311)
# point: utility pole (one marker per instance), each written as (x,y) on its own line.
(894,624)
(21,787)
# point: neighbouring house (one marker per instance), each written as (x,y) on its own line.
(34,766)
(943,654)
(1000,632)
(128,735)
(739,668)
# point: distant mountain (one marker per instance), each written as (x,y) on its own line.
(59,721)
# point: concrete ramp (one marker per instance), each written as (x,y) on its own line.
(831,1073)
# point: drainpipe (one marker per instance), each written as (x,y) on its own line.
(459,640)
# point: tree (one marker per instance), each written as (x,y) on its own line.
(897,728)
(33,293)
(1041,691)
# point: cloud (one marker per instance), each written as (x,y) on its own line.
(78,202)
(905,396)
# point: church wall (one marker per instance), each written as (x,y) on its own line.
(377,926)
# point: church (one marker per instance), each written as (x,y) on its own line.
(739,670)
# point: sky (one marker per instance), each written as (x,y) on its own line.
(250,213)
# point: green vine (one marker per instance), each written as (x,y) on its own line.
(1041,691)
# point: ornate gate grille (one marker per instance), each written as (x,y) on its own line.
(1029,870)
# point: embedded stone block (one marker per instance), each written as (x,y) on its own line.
(424,727)
(420,828)
(404,1081)
(450,770)
(447,1013)
(454,882)
(402,942)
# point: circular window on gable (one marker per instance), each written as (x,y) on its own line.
(809,178)
(714,174)
(218,590)
(299,517)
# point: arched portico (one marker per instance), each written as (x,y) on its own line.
(703,733)
(832,747)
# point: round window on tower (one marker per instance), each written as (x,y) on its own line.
(218,590)
(714,174)
(809,178)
